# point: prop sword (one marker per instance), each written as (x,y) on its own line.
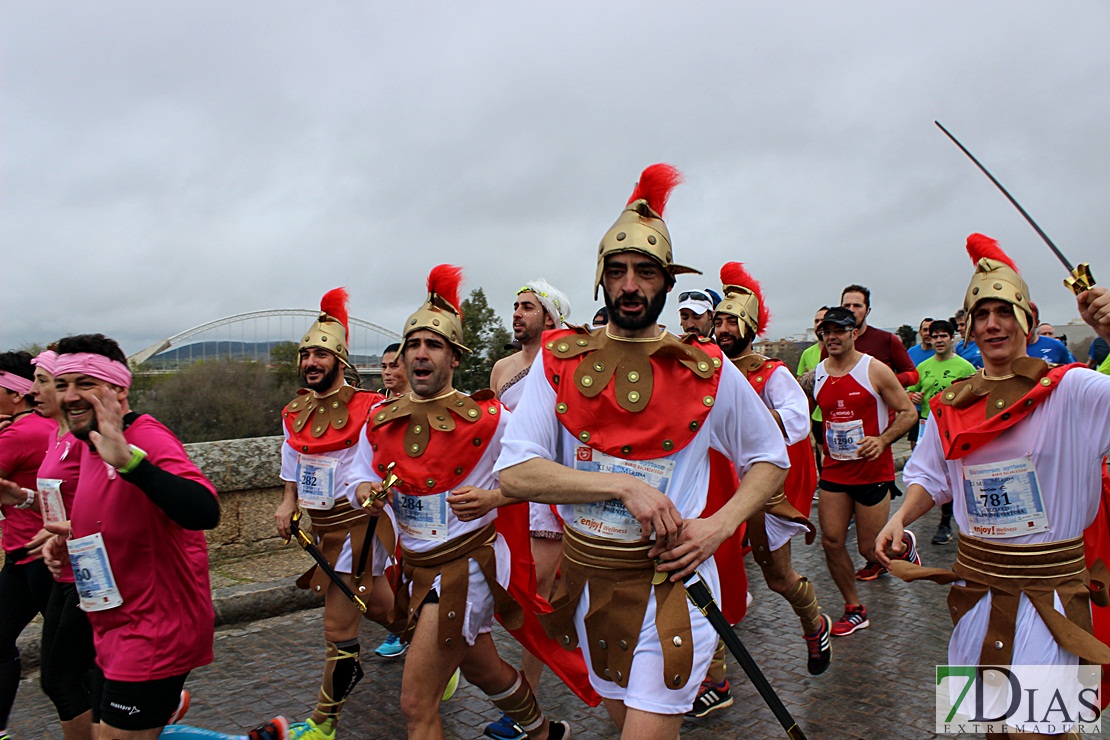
(310,547)
(388,482)
(1080,278)
(700,594)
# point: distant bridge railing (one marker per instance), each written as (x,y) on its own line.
(218,339)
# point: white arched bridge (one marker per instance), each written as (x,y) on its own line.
(252,336)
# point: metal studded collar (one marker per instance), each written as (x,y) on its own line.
(323,412)
(438,414)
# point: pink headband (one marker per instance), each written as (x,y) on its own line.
(46,360)
(94,365)
(14,382)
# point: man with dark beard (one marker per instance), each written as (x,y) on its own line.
(632,485)
(741,316)
(321,429)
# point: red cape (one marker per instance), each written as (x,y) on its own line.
(801,479)
(1097,541)
(570,666)
(729,557)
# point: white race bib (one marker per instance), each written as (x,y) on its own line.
(50,500)
(1004,499)
(316,481)
(422,517)
(843,439)
(93,573)
(921,429)
(610,519)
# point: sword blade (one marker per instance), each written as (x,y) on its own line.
(1059,255)
(309,546)
(702,597)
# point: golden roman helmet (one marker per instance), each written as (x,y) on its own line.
(743,298)
(996,277)
(440,312)
(640,227)
(330,329)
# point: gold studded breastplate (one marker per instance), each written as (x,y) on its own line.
(435,443)
(637,400)
(318,424)
(974,411)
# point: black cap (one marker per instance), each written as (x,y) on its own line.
(839,316)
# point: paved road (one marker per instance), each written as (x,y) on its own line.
(880,684)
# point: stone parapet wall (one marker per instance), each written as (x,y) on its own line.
(246,474)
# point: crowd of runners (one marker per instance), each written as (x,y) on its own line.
(606,467)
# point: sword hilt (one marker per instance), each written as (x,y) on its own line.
(1080,278)
(298,534)
(390,480)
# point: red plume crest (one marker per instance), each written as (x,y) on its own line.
(444,281)
(733,273)
(334,304)
(980,246)
(655,186)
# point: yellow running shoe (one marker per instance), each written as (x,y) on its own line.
(309,730)
(452,685)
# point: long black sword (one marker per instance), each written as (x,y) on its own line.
(310,547)
(1080,278)
(702,597)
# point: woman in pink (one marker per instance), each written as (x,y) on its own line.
(25,583)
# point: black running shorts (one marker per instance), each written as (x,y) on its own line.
(140,705)
(864,494)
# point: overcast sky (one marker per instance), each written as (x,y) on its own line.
(167,164)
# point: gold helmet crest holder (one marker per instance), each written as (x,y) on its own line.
(996,277)
(329,331)
(743,298)
(440,312)
(640,227)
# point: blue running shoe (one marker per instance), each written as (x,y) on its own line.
(505,729)
(391,648)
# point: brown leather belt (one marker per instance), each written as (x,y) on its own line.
(619,576)
(451,562)
(330,529)
(1041,571)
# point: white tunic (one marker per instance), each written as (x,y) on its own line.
(782,393)
(1066,437)
(738,425)
(345,485)
(479,615)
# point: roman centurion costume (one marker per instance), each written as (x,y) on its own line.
(436,446)
(786,514)
(321,434)
(1021,457)
(648,408)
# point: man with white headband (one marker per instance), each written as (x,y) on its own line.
(539,307)
(137,541)
(25,583)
